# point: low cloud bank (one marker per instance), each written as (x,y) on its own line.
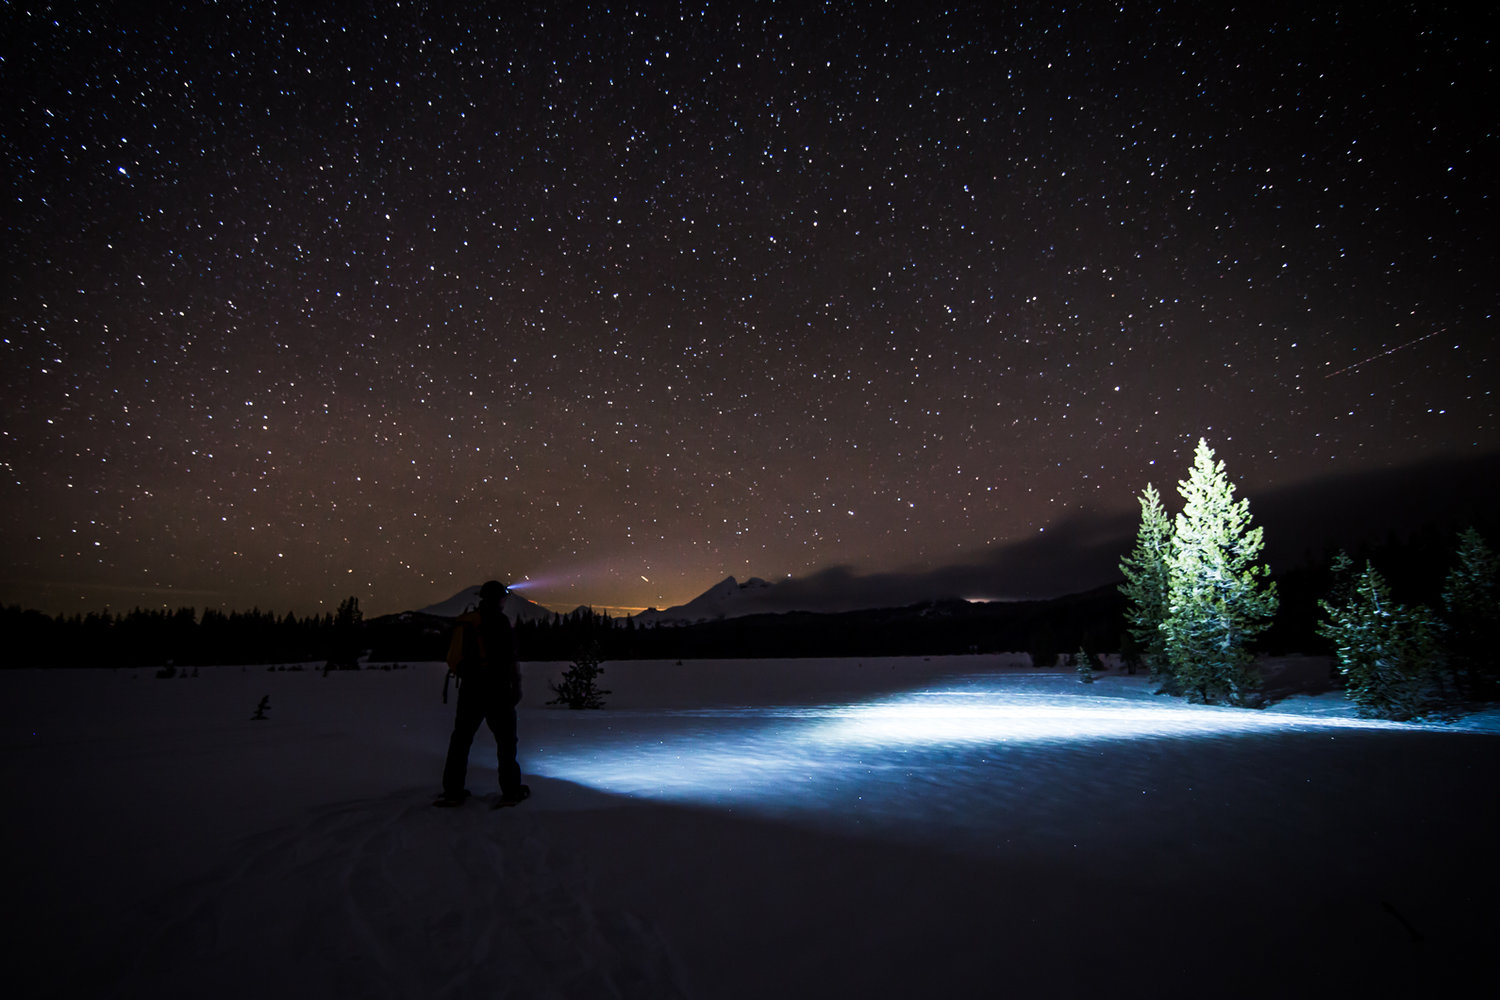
(1083,551)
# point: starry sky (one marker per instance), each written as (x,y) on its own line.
(309,300)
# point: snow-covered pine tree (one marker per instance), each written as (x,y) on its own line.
(1387,653)
(1084,663)
(1218,596)
(1471,597)
(1145,586)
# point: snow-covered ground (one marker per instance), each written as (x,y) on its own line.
(904,827)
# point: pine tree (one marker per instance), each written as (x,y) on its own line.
(1341,573)
(346,635)
(1387,653)
(1145,586)
(1083,663)
(1471,597)
(1218,597)
(578,687)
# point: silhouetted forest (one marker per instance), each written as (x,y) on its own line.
(160,637)
(939,628)
(1415,564)
(183,638)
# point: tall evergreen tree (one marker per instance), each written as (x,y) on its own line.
(1218,596)
(1386,652)
(1471,597)
(1145,586)
(346,637)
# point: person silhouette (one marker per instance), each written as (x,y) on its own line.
(482,654)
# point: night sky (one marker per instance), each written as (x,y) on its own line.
(303,301)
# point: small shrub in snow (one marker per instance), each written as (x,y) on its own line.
(1084,663)
(262,709)
(578,686)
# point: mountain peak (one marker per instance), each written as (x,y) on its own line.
(516,607)
(729,598)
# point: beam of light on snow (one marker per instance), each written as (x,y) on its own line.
(794,757)
(976,717)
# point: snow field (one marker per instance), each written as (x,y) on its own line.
(876,828)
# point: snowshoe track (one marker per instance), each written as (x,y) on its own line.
(386,898)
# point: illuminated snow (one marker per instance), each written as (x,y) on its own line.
(789,759)
(997,715)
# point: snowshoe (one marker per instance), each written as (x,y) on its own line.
(513,798)
(447,801)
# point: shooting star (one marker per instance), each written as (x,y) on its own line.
(1375,357)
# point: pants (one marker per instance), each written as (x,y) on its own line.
(479,702)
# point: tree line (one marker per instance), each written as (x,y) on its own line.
(182,637)
(1198,597)
(156,638)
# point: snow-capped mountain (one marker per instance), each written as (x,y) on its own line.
(727,599)
(516,607)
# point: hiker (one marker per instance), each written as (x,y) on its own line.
(483,656)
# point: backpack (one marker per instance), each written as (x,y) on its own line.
(466,648)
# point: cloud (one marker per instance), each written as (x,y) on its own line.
(1305,518)
(1083,550)
(1077,553)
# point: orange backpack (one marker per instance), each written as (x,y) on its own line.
(466,648)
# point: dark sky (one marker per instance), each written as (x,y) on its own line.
(304,301)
